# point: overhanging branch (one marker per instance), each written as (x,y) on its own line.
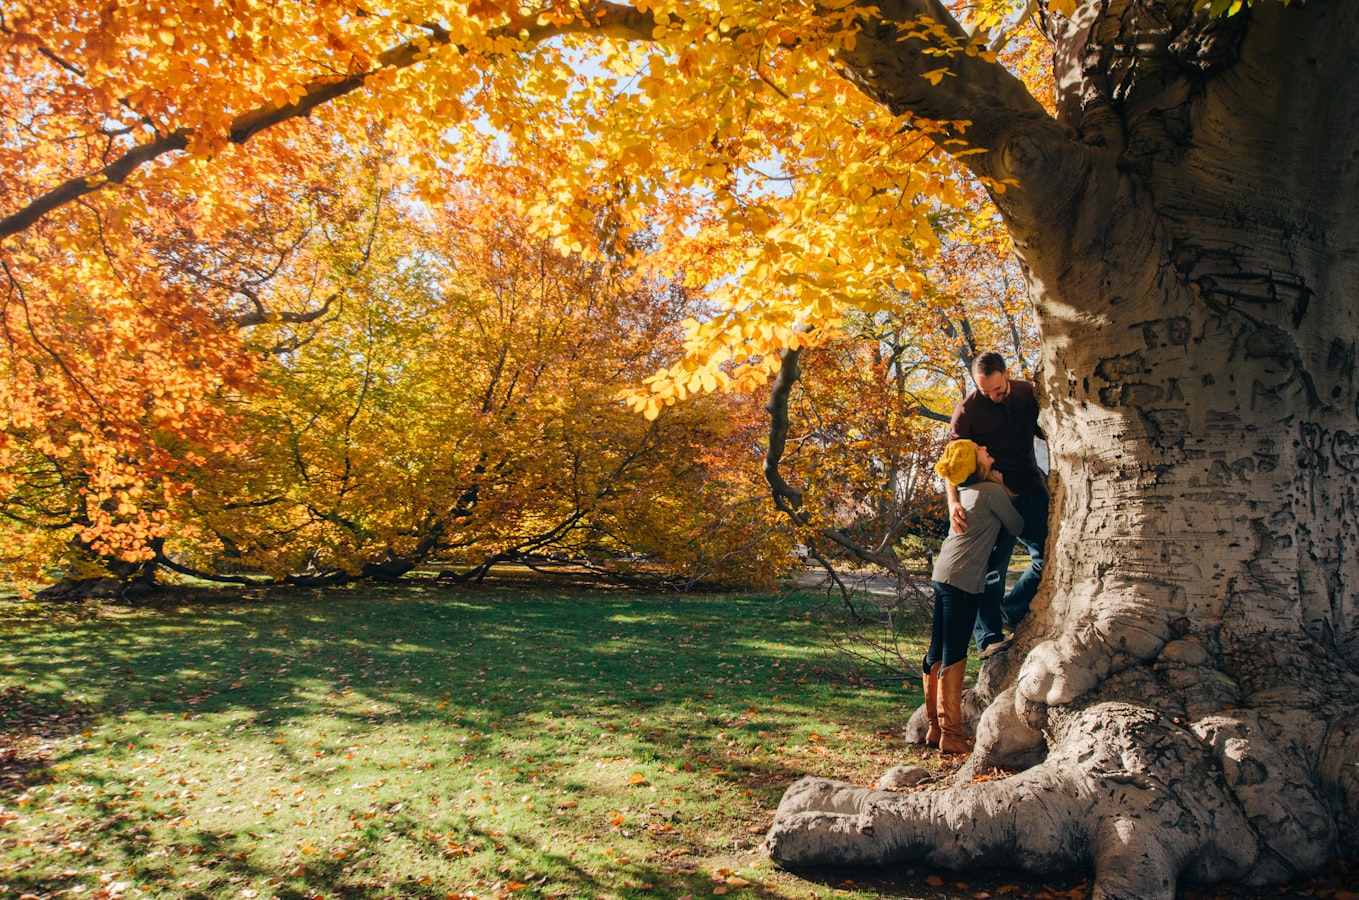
(979,101)
(979,104)
(607,19)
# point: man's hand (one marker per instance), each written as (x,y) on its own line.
(957,517)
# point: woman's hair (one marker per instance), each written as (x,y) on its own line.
(983,472)
(961,463)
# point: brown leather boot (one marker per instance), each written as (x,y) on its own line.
(932,705)
(953,736)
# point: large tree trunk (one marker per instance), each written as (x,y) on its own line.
(1188,673)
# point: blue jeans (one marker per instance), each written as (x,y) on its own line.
(997,608)
(954,612)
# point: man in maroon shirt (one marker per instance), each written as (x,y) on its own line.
(1002,416)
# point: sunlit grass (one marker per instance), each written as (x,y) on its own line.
(398,742)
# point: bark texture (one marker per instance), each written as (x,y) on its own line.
(1186,688)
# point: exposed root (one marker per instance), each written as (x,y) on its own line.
(1124,792)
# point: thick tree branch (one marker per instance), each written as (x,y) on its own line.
(261,315)
(167,562)
(606,19)
(979,104)
(786,497)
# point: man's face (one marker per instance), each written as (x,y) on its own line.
(995,387)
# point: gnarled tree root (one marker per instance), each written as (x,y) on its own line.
(1141,800)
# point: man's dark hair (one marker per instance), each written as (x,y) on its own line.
(988,363)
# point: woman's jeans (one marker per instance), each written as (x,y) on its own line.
(954,613)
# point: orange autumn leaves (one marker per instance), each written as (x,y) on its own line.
(743,107)
(188,260)
(425,381)
(112,380)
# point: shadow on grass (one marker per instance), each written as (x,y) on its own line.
(568,743)
(428,744)
(29,723)
(499,658)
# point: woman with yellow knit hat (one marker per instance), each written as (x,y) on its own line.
(959,578)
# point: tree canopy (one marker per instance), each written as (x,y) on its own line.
(171,224)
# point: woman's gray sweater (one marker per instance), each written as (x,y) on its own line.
(962,560)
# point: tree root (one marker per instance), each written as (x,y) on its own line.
(1124,791)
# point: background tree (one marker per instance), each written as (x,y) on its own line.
(1185,686)
(463,408)
(430,386)
(865,451)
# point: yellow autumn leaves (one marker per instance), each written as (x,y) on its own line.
(718,150)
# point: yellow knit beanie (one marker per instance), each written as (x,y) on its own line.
(958,462)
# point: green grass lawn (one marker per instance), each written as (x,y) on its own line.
(399,742)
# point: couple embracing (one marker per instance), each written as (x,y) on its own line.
(997,496)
